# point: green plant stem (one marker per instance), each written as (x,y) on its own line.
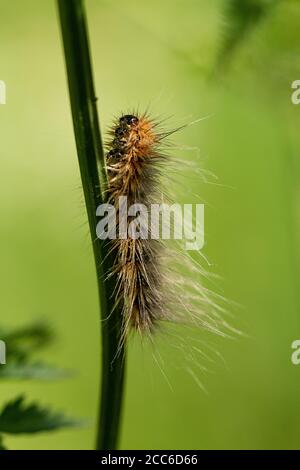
(94,181)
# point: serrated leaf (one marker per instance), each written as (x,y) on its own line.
(18,418)
(36,370)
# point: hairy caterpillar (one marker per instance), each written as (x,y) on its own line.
(133,168)
(147,290)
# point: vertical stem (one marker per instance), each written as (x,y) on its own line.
(94,182)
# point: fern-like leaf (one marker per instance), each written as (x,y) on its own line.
(18,418)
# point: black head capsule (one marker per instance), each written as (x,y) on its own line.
(128,119)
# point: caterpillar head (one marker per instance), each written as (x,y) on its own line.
(128,120)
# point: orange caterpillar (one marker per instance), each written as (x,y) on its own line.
(148,289)
(133,164)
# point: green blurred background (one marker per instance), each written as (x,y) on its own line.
(162,54)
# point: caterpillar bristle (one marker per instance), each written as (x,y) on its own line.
(132,160)
(147,290)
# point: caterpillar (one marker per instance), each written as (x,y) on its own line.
(133,162)
(148,292)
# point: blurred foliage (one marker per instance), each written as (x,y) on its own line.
(1,443)
(18,418)
(21,344)
(26,340)
(240,17)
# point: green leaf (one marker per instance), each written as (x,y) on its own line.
(17,418)
(36,370)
